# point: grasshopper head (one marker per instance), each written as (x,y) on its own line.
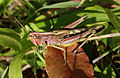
(35,38)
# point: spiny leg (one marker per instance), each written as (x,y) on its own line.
(75,51)
(65,56)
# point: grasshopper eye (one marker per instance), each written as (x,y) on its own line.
(46,42)
(32,35)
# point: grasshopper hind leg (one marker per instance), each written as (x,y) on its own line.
(75,51)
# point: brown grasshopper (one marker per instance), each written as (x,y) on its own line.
(65,37)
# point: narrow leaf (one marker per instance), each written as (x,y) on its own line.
(106,53)
(62,5)
(113,18)
(35,28)
(15,66)
(40,57)
(3,75)
(29,5)
(81,2)
(10,38)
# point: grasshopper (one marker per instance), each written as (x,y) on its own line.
(65,37)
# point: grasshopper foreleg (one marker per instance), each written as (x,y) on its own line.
(75,51)
(65,58)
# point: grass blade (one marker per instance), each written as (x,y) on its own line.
(105,53)
(62,5)
(15,67)
(3,75)
(113,18)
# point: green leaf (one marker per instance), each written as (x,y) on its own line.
(35,28)
(40,57)
(3,75)
(10,38)
(109,72)
(96,14)
(28,4)
(15,66)
(113,18)
(81,2)
(62,5)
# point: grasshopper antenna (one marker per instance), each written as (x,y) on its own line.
(20,24)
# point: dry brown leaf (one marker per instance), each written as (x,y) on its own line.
(78,66)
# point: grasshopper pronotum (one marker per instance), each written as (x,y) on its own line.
(65,37)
